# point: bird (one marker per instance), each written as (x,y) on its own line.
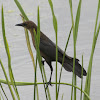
(48,51)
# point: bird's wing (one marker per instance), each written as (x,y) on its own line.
(48,48)
(61,52)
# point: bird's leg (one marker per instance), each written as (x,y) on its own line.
(43,62)
(49,83)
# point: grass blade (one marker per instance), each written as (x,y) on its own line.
(56,29)
(77,19)
(38,31)
(28,83)
(27,39)
(97,32)
(8,55)
(26,18)
(81,79)
(39,61)
(21,9)
(7,80)
(47,94)
(70,3)
(37,41)
(64,58)
(31,54)
(88,78)
(3,92)
(75,32)
(1,96)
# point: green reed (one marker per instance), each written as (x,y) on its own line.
(75,33)
(96,32)
(57,83)
(9,59)
(56,29)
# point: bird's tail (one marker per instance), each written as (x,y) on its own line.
(68,65)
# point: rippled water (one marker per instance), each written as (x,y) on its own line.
(21,61)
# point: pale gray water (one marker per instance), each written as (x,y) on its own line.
(21,61)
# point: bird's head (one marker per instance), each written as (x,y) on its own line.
(28,25)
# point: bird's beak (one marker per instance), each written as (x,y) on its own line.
(21,24)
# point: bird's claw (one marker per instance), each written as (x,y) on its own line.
(48,83)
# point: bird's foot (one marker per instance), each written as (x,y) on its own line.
(43,61)
(48,83)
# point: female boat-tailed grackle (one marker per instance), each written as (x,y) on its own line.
(48,51)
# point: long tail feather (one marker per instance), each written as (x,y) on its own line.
(68,66)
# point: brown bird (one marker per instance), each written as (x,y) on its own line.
(48,51)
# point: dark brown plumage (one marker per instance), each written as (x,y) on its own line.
(48,51)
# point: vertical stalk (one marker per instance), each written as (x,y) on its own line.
(56,29)
(81,79)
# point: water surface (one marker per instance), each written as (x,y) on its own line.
(21,61)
